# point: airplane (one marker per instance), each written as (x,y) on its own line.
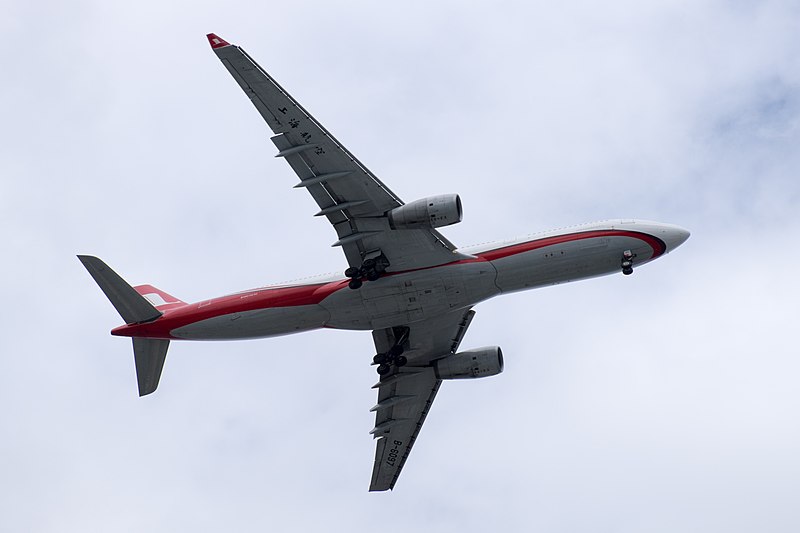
(405,282)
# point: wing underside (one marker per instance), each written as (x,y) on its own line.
(353,199)
(406,396)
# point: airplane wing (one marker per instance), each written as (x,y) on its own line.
(348,194)
(405,397)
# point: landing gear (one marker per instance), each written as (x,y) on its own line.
(371,269)
(385,362)
(396,350)
(394,355)
(627,262)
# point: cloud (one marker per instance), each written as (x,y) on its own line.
(656,402)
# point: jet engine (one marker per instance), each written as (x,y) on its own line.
(431,212)
(477,363)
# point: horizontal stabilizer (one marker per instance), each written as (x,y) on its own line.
(149,355)
(132,306)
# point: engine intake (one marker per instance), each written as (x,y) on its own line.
(477,363)
(431,212)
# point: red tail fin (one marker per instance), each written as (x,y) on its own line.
(160,299)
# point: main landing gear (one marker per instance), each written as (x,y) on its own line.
(394,356)
(627,262)
(371,269)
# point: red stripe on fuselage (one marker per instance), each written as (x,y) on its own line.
(655,243)
(274,297)
(658,246)
(266,298)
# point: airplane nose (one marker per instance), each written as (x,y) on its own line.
(674,236)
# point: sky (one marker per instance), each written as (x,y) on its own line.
(663,401)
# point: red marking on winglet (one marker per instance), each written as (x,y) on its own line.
(217,41)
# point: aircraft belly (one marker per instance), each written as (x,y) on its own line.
(411,297)
(565,262)
(269,322)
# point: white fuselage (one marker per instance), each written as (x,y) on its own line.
(402,298)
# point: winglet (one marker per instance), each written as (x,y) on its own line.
(216,41)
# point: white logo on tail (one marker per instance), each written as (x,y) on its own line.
(156,299)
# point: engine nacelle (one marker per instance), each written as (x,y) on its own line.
(431,212)
(477,363)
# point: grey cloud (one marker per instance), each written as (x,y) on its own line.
(662,401)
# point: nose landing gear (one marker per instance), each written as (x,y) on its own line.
(394,356)
(627,262)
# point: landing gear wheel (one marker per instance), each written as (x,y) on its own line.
(383,369)
(355,283)
(401,360)
(373,275)
(351,272)
(627,262)
(379,359)
(368,264)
